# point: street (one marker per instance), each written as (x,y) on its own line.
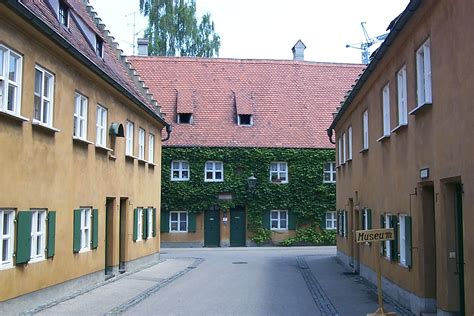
(232,281)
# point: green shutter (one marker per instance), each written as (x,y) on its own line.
(382,243)
(95,229)
(291,220)
(266,219)
(346,223)
(51,241)
(135,224)
(144,223)
(408,246)
(76,244)
(23,237)
(369,219)
(191,222)
(154,222)
(165,222)
(394,243)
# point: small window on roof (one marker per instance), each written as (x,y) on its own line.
(244,119)
(63,14)
(99,43)
(184,118)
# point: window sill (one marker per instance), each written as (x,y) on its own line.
(100,147)
(14,116)
(213,181)
(279,182)
(40,124)
(176,232)
(6,266)
(329,182)
(349,160)
(141,161)
(81,140)
(35,260)
(364,150)
(419,108)
(383,138)
(84,250)
(398,128)
(130,157)
(279,230)
(403,265)
(181,180)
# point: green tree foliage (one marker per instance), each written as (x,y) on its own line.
(173,29)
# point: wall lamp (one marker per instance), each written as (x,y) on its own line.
(252,182)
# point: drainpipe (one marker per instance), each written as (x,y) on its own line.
(329,131)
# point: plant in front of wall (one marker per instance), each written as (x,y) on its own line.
(311,236)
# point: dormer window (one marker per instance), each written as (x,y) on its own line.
(99,46)
(245,119)
(63,14)
(184,118)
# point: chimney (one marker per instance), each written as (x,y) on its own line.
(142,44)
(298,50)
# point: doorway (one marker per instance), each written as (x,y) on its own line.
(429,239)
(212,231)
(460,248)
(122,233)
(109,235)
(237,227)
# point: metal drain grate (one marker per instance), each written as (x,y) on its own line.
(240,262)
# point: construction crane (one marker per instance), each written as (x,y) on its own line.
(364,46)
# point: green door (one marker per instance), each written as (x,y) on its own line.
(212,232)
(460,250)
(237,227)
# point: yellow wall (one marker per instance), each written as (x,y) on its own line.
(44,169)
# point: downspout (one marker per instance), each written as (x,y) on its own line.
(169,129)
(329,131)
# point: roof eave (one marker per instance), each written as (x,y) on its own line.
(402,21)
(25,13)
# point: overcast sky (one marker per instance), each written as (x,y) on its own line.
(268,29)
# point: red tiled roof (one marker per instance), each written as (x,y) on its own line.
(111,63)
(291,101)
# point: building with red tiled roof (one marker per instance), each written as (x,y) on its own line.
(81,147)
(237,119)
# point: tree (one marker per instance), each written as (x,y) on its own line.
(173,29)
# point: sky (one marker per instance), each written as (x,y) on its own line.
(268,29)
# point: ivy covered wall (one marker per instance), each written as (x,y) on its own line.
(305,194)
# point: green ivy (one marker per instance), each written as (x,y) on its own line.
(311,236)
(305,194)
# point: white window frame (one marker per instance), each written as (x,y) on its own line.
(150,222)
(178,222)
(101,126)
(279,172)
(386,110)
(349,143)
(140,224)
(80,116)
(331,172)
(365,214)
(180,170)
(339,151)
(141,143)
(402,239)
(423,74)
(5,82)
(38,235)
(279,220)
(151,148)
(331,219)
(44,98)
(365,130)
(86,228)
(402,96)
(214,171)
(344,145)
(388,218)
(344,223)
(9,238)
(129,138)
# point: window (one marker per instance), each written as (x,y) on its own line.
(365,130)
(386,110)
(343,221)
(38,232)
(179,170)
(349,147)
(139,224)
(388,243)
(150,220)
(101,126)
(141,143)
(331,220)
(402,239)
(278,172)
(151,148)
(80,116)
(244,119)
(423,74)
(43,102)
(99,49)
(63,14)
(402,96)
(178,221)
(85,229)
(278,220)
(330,172)
(129,139)
(214,171)
(10,81)
(344,152)
(184,118)
(339,151)
(6,237)
(367,219)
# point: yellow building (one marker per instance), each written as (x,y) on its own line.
(80,140)
(404,155)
